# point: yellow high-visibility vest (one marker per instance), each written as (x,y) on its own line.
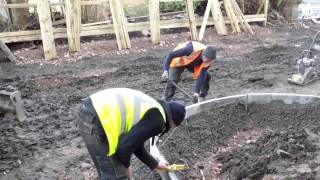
(119,109)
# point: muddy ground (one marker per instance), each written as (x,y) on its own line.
(226,142)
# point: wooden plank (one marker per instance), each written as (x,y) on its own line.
(119,23)
(243,20)
(17,6)
(154,13)
(28,5)
(192,20)
(266,8)
(231,14)
(96,23)
(59,22)
(73,20)
(124,26)
(32,35)
(116,25)
(238,16)
(260,6)
(100,2)
(220,24)
(25,5)
(205,20)
(7,52)
(46,30)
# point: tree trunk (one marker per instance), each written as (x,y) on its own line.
(19,17)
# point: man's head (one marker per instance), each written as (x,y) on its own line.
(178,112)
(209,54)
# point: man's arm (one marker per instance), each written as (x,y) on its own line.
(151,125)
(145,157)
(178,53)
(201,79)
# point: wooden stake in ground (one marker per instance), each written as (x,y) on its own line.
(120,24)
(192,20)
(262,2)
(231,14)
(218,19)
(242,20)
(205,20)
(73,21)
(214,7)
(49,46)
(7,52)
(154,12)
(266,8)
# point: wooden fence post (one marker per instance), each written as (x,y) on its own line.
(192,20)
(242,7)
(266,8)
(120,24)
(73,20)
(205,20)
(231,14)
(218,19)
(49,46)
(154,13)
(7,52)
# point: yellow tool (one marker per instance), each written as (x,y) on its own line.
(177,167)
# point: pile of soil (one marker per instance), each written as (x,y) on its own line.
(272,140)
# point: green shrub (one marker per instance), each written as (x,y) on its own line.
(176,6)
(280,3)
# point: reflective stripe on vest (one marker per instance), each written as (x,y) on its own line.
(185,60)
(197,69)
(119,109)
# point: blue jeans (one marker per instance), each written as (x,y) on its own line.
(108,168)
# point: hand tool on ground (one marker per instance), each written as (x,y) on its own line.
(175,167)
(307,66)
(183,91)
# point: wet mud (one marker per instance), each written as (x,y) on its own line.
(226,142)
(274,139)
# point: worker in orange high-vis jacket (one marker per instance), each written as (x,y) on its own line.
(196,58)
(115,123)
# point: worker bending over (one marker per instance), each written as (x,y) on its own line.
(195,57)
(115,123)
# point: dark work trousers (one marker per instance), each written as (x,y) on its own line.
(175,76)
(109,168)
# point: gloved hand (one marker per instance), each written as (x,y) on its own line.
(162,166)
(165,75)
(195,98)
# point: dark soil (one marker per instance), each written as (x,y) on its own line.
(227,141)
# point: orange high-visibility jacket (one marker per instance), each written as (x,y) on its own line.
(186,60)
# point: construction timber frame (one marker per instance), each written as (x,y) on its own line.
(120,26)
